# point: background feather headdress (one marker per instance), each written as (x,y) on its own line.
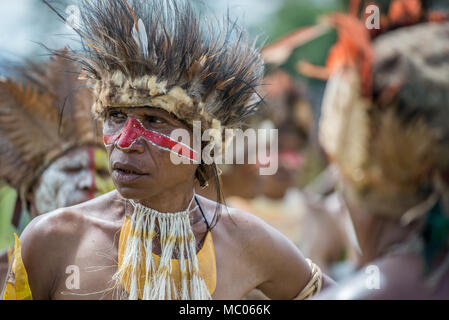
(42,118)
(158,53)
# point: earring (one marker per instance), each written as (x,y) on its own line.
(202,178)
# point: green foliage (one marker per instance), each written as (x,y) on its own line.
(8,198)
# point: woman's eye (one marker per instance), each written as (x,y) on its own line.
(155,120)
(73,169)
(116,115)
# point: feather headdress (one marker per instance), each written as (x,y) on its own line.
(41,119)
(158,53)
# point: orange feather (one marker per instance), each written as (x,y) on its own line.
(132,14)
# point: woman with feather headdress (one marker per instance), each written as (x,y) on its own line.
(50,152)
(156,69)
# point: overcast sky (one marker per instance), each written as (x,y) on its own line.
(25,22)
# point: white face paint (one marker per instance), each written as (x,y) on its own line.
(69,180)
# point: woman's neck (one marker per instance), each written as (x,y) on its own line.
(177,199)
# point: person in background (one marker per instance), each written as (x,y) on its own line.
(50,149)
(384,125)
(280,199)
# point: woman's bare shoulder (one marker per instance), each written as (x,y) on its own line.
(64,224)
(236,223)
(252,235)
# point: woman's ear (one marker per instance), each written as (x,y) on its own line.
(201,176)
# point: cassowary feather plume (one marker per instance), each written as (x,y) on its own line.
(157,53)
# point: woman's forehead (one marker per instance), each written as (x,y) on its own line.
(143,110)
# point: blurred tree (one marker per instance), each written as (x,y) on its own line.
(294,14)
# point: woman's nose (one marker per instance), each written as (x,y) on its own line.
(138,145)
(131,139)
(87,181)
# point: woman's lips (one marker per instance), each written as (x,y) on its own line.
(124,176)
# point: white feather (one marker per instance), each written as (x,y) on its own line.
(139,34)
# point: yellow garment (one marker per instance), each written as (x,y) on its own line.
(17,286)
(205,256)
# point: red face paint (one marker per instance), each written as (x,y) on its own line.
(134,130)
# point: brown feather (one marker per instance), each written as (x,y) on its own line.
(183,50)
(43,117)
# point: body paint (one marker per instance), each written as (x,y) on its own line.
(134,130)
(73,178)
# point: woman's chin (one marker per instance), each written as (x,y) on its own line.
(128,192)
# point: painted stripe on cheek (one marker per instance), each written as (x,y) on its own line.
(134,129)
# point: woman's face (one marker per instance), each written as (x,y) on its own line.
(140,152)
(79,175)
